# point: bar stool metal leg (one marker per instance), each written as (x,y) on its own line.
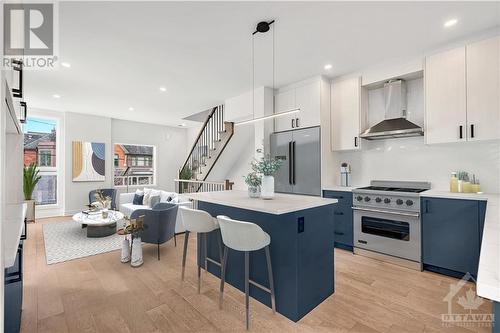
(223,275)
(247,288)
(271,280)
(186,238)
(205,250)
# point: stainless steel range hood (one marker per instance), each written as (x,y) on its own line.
(395,124)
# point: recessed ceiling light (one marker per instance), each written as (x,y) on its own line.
(56,96)
(182,125)
(163,89)
(328,66)
(131,109)
(450,23)
(66,64)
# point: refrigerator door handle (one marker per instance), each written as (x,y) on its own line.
(290,163)
(293,162)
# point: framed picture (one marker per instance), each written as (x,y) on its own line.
(89,161)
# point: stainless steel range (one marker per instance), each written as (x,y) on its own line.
(387,221)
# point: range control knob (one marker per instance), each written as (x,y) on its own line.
(409,202)
(367,199)
(378,199)
(387,200)
(399,202)
(359,198)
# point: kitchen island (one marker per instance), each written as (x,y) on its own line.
(302,240)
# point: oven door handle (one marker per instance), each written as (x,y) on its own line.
(386,212)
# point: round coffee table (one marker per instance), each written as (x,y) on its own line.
(96,225)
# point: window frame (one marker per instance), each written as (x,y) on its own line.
(132,161)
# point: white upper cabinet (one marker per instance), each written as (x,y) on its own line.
(307,98)
(445,97)
(345,114)
(483,90)
(462,92)
(284,101)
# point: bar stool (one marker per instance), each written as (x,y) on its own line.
(202,223)
(245,237)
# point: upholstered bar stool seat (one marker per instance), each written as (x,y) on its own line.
(202,223)
(245,237)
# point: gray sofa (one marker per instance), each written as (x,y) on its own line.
(127,207)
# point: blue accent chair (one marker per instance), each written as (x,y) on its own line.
(159,223)
(107,192)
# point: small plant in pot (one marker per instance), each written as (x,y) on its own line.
(267,166)
(185,174)
(253,180)
(30,179)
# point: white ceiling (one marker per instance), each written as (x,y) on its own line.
(122,52)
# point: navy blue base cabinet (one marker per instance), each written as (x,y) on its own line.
(13,294)
(343,218)
(301,255)
(451,235)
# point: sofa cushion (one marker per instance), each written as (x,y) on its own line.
(164,195)
(128,208)
(138,198)
(153,200)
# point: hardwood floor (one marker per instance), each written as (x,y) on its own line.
(100,294)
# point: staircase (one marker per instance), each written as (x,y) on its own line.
(208,146)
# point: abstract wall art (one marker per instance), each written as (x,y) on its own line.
(88,161)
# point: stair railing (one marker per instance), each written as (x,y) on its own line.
(204,143)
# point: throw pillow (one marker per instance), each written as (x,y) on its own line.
(154,200)
(164,195)
(147,196)
(138,198)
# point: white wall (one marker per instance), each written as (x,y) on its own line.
(83,127)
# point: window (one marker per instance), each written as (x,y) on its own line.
(40,137)
(44,158)
(134,165)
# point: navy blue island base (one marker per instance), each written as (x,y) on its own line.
(302,245)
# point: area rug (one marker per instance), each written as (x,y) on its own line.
(67,241)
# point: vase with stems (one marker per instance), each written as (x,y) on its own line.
(267,166)
(253,181)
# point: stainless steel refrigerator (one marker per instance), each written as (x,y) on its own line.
(300,151)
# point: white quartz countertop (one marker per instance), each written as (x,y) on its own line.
(446,194)
(340,188)
(12,228)
(488,276)
(281,204)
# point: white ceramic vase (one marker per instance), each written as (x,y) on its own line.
(125,251)
(30,210)
(267,189)
(136,259)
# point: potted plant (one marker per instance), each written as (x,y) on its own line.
(30,179)
(185,174)
(267,166)
(253,180)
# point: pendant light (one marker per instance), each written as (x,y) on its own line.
(263,27)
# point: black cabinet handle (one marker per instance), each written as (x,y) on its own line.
(338,213)
(338,233)
(18,67)
(461,132)
(426,206)
(472,130)
(293,123)
(24,112)
(297,122)
(355,141)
